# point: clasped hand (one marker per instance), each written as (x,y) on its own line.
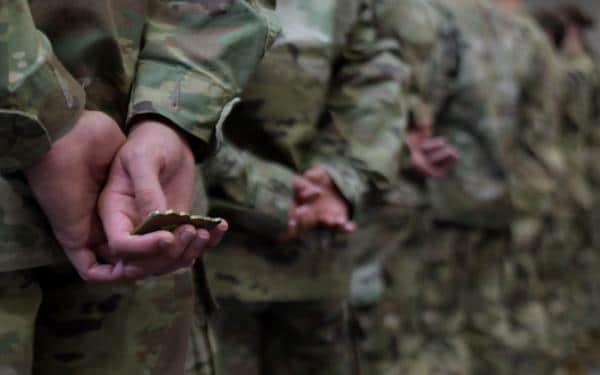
(317,202)
(95,185)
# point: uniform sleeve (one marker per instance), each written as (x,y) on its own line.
(249,190)
(362,144)
(541,91)
(195,58)
(539,162)
(39,100)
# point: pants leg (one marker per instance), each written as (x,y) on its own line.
(20,298)
(417,327)
(239,338)
(135,328)
(307,338)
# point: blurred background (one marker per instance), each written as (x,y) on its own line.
(592,6)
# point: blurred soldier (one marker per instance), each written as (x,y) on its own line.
(495,201)
(324,120)
(76,78)
(475,307)
(567,260)
(403,294)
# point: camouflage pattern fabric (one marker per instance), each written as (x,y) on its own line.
(176,59)
(481,307)
(345,113)
(407,312)
(574,273)
(290,337)
(185,61)
(328,93)
(75,328)
(504,185)
(407,291)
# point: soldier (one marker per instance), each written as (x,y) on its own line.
(478,306)
(324,116)
(402,321)
(501,192)
(104,106)
(574,260)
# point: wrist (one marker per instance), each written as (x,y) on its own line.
(196,147)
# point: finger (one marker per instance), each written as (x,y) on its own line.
(184,236)
(340,220)
(196,248)
(330,220)
(147,189)
(155,266)
(117,220)
(152,266)
(86,264)
(350,227)
(306,190)
(442,155)
(137,270)
(217,234)
(432,144)
(317,175)
(310,193)
(128,246)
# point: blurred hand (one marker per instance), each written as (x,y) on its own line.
(305,192)
(430,156)
(154,170)
(67,182)
(318,202)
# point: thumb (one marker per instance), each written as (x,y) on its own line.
(317,175)
(305,190)
(147,189)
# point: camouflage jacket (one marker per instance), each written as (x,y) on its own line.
(502,117)
(183,60)
(579,81)
(430,43)
(328,93)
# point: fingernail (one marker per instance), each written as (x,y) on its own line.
(187,236)
(224,226)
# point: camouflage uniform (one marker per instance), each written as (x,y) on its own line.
(177,59)
(575,280)
(503,189)
(328,93)
(465,289)
(406,290)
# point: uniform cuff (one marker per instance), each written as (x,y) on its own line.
(349,181)
(196,103)
(41,105)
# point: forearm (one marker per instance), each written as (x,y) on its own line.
(195,62)
(39,100)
